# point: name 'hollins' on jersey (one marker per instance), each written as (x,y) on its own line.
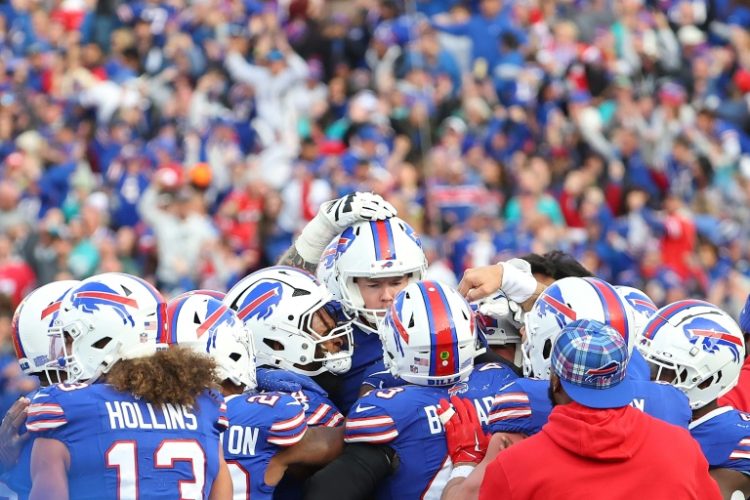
(142,415)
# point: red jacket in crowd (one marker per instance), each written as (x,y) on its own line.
(618,453)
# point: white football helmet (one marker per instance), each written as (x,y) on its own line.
(325,272)
(696,344)
(108,317)
(30,329)
(498,330)
(202,291)
(562,302)
(639,306)
(207,325)
(378,249)
(428,335)
(278,305)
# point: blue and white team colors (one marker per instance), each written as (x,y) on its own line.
(406,419)
(724,436)
(124,447)
(261,425)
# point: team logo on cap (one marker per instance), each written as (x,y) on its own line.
(603,372)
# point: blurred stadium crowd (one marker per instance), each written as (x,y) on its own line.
(188,141)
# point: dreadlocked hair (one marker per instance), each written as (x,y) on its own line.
(176,376)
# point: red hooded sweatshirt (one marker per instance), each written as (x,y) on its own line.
(613,454)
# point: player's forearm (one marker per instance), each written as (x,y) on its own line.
(222,487)
(529,303)
(320,446)
(292,258)
(465,488)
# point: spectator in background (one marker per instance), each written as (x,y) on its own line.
(182,232)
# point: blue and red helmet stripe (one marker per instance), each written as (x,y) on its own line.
(615,314)
(162,321)
(383,240)
(444,340)
(663,315)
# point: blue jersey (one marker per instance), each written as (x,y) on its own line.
(121,445)
(18,477)
(724,436)
(524,405)
(406,419)
(259,426)
(368,351)
(381,378)
(319,412)
(638,368)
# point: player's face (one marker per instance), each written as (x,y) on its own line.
(322,324)
(378,293)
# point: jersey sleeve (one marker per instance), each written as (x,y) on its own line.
(511,411)
(324,414)
(381,378)
(222,421)
(369,422)
(46,412)
(290,424)
(739,458)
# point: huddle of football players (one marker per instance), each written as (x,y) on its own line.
(329,375)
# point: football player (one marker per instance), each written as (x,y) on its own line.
(430,343)
(523,407)
(266,430)
(31,322)
(699,348)
(297,329)
(134,417)
(371,256)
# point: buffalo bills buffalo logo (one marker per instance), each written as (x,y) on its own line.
(603,372)
(711,336)
(337,247)
(640,303)
(217,314)
(552,302)
(261,300)
(91,296)
(411,234)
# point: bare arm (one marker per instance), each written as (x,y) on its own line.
(50,461)
(730,481)
(222,487)
(320,446)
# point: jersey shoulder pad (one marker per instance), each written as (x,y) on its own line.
(319,410)
(520,407)
(52,407)
(286,417)
(372,419)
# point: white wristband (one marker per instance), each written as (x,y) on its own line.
(517,285)
(461,471)
(314,239)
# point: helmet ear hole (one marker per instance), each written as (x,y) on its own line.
(547,349)
(102,343)
(235,356)
(411,321)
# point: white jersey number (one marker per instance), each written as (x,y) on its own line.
(123,456)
